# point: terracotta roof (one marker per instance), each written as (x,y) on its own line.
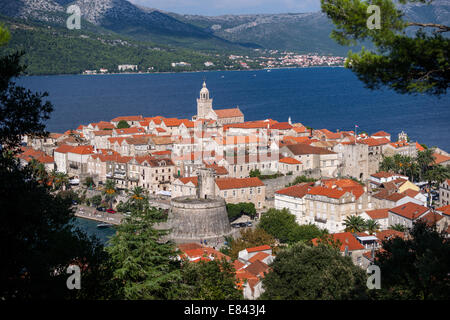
(329,183)
(102,125)
(128,118)
(289,160)
(297,191)
(219,170)
(431,218)
(327,192)
(295,140)
(281,126)
(384,174)
(388,234)
(381,134)
(440,158)
(345,239)
(259,248)
(29,153)
(328,134)
(411,193)
(258,268)
(259,256)
(64,148)
(445,210)
(132,130)
(399,144)
(373,142)
(82,150)
(378,214)
(102,133)
(237,183)
(186,180)
(300,149)
(238,265)
(409,210)
(419,147)
(228,113)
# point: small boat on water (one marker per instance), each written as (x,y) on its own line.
(104,225)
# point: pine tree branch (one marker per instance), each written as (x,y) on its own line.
(441,27)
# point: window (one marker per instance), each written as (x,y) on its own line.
(225,194)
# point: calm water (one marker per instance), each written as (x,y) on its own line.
(331,98)
(90,227)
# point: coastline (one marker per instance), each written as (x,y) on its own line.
(92,214)
(172,72)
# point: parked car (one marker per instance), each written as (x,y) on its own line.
(101,209)
(111,211)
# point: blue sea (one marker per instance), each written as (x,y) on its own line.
(90,228)
(331,98)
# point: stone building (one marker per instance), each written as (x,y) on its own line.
(223,116)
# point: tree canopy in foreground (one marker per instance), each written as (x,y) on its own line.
(407,64)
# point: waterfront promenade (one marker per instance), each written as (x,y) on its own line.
(90,213)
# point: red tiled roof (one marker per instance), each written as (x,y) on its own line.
(440,158)
(132,130)
(445,210)
(373,142)
(259,256)
(378,214)
(128,118)
(388,234)
(381,134)
(258,268)
(409,210)
(431,218)
(297,191)
(300,149)
(259,248)
(64,148)
(289,160)
(237,183)
(345,239)
(186,180)
(82,150)
(281,126)
(228,113)
(327,192)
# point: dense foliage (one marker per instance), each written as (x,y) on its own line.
(418,64)
(38,240)
(417,267)
(250,238)
(303,272)
(243,208)
(282,225)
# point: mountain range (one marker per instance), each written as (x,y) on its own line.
(141,26)
(301,32)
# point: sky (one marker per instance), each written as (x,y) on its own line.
(220,7)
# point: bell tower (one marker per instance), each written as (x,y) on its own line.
(204,103)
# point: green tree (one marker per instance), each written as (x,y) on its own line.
(96,200)
(399,227)
(236,210)
(143,263)
(250,238)
(416,267)
(354,224)
(122,124)
(38,240)
(89,182)
(372,226)
(60,180)
(425,159)
(210,280)
(435,176)
(416,64)
(278,223)
(255,173)
(110,191)
(303,272)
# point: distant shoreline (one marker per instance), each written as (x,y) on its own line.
(173,72)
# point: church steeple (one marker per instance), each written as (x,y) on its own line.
(204,103)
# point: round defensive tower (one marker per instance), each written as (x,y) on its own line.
(203,217)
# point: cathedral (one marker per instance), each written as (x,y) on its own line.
(223,116)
